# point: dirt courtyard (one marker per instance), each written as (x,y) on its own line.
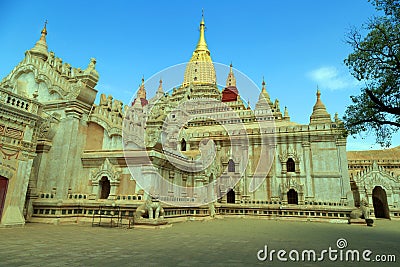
(218,242)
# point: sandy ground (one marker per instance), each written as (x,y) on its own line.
(218,242)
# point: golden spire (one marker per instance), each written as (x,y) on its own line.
(202,45)
(44,31)
(200,69)
(142,91)
(263,86)
(264,94)
(40,49)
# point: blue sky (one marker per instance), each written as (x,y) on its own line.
(295,45)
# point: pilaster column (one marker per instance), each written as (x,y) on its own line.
(346,193)
(95,190)
(309,192)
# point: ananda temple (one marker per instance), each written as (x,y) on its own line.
(196,150)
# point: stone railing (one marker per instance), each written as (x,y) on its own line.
(18,102)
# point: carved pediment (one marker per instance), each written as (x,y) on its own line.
(283,157)
(376,175)
(108,170)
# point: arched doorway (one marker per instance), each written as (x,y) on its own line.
(3,192)
(230,197)
(104,184)
(379,199)
(292,197)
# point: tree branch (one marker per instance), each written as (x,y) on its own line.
(382,106)
(376,121)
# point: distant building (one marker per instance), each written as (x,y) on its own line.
(375,174)
(63,156)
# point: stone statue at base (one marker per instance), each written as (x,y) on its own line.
(362,213)
(150,212)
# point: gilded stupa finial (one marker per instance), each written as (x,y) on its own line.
(40,48)
(142,91)
(202,45)
(44,30)
(200,69)
(263,85)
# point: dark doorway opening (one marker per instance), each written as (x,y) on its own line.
(292,197)
(3,192)
(379,199)
(230,197)
(104,187)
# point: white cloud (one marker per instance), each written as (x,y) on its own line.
(331,78)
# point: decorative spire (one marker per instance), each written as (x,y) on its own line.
(40,49)
(263,89)
(141,95)
(160,89)
(159,92)
(200,69)
(202,45)
(286,114)
(264,101)
(319,115)
(319,104)
(276,104)
(231,80)
(142,91)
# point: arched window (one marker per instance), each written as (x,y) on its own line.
(104,187)
(231,166)
(183,145)
(290,165)
(292,197)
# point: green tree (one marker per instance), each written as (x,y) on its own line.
(376,62)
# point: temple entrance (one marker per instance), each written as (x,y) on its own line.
(230,197)
(379,199)
(292,197)
(104,184)
(3,192)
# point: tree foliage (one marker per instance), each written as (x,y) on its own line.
(376,62)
